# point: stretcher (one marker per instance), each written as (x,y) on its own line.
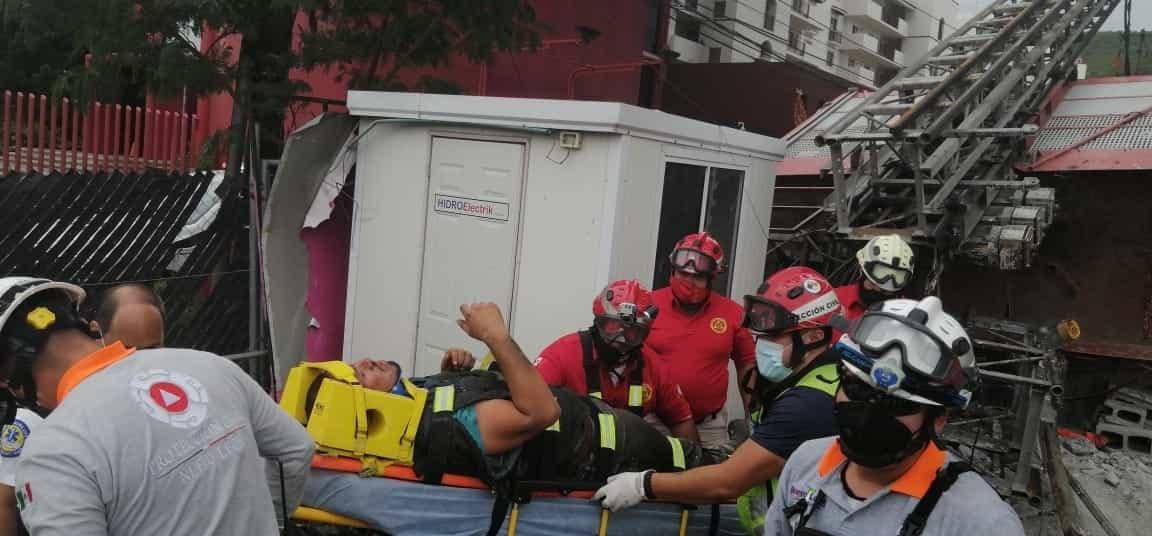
(397,503)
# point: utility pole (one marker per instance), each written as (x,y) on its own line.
(1127,37)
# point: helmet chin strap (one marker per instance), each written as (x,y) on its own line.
(800,349)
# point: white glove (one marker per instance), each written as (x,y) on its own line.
(624,490)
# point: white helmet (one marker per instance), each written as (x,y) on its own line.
(15,290)
(913,350)
(24,330)
(887,261)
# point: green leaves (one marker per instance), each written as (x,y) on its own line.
(89,46)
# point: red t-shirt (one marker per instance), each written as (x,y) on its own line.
(697,347)
(562,365)
(851,306)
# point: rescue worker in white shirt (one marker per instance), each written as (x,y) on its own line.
(134,434)
(130,313)
(886,264)
(903,367)
(793,403)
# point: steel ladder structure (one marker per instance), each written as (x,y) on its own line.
(930,154)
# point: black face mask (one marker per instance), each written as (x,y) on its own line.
(873,438)
(870,296)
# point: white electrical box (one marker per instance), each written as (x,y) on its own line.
(571,140)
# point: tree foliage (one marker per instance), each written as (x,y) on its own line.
(98,46)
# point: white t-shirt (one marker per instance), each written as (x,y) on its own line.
(12,439)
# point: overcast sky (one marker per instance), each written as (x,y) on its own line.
(1141,13)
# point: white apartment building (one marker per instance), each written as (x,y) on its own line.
(863,41)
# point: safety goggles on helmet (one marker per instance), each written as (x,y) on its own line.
(887,277)
(921,351)
(889,376)
(767,316)
(858,390)
(693,261)
(621,332)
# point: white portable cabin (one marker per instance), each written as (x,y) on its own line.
(534,205)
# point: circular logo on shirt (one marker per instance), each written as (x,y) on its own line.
(647,393)
(12,438)
(719,325)
(170,397)
(812,286)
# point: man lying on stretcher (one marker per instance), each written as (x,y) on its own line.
(492,426)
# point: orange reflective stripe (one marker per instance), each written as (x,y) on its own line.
(89,365)
(913,483)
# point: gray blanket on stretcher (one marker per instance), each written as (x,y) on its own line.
(403,508)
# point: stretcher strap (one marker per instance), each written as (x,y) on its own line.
(361,409)
(441,428)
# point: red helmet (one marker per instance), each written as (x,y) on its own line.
(698,253)
(624,312)
(792,299)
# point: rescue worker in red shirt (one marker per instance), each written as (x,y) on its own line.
(887,263)
(794,402)
(608,360)
(698,332)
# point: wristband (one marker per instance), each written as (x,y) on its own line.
(648,485)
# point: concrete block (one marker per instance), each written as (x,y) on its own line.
(1130,438)
(1124,412)
(1131,395)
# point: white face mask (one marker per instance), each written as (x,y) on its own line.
(770,360)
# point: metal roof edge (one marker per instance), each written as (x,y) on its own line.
(555,114)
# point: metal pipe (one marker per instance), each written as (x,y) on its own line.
(840,196)
(1028,443)
(979,420)
(1014,378)
(1009,347)
(1010,361)
(243,356)
(918,176)
(1000,132)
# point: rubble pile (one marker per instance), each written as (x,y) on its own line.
(1119,482)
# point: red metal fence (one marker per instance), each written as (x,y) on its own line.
(38,133)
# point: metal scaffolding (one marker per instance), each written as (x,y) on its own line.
(930,154)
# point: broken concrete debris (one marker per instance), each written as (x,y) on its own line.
(1126,420)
